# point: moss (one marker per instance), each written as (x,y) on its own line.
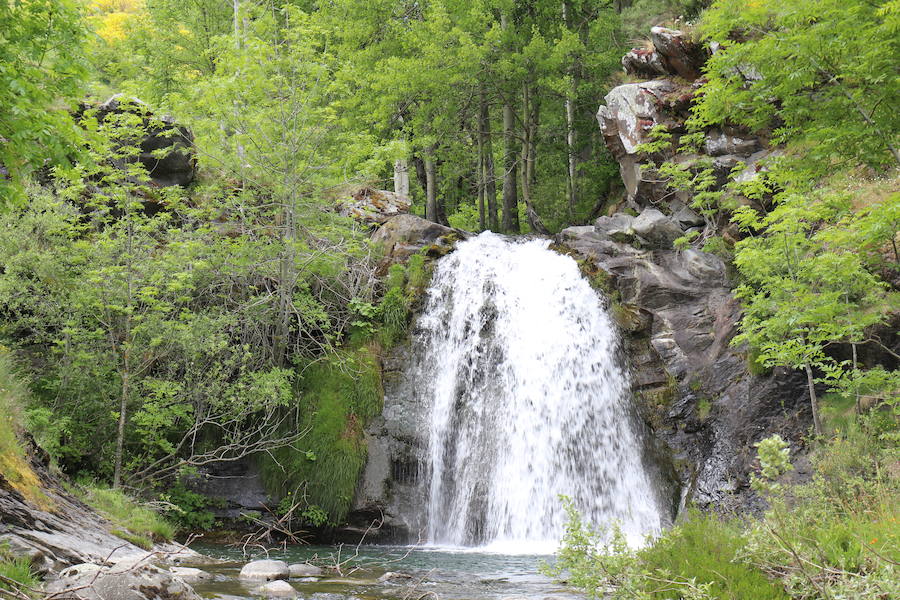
(15,467)
(141,541)
(754,365)
(338,397)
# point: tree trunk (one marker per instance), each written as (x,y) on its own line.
(401,177)
(510,173)
(490,182)
(285,284)
(530,118)
(123,408)
(482,179)
(571,186)
(431,207)
(510,167)
(813,401)
(125,390)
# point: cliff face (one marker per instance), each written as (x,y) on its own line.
(675,306)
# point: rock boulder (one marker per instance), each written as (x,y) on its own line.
(140,581)
(265,570)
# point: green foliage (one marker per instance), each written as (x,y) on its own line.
(702,549)
(42,70)
(820,73)
(189,510)
(837,536)
(16,574)
(132,520)
(15,468)
(338,396)
(694,560)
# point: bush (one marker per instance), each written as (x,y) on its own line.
(703,549)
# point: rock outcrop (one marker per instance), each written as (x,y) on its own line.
(61,531)
(675,307)
(166,151)
(140,581)
(679,316)
(404,235)
(373,207)
(631,111)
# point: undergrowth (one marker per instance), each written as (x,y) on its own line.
(132,521)
(16,574)
(14,466)
(834,537)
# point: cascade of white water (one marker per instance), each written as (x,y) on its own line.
(525,400)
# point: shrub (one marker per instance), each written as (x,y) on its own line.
(703,549)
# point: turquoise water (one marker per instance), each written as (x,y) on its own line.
(434,573)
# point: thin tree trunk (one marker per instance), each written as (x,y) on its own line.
(856,388)
(510,167)
(401,177)
(125,391)
(431,207)
(530,118)
(490,181)
(813,401)
(571,186)
(285,285)
(482,179)
(510,173)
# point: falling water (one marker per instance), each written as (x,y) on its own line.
(526,401)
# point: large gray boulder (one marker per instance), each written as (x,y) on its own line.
(139,581)
(305,570)
(658,230)
(278,589)
(402,236)
(630,112)
(265,570)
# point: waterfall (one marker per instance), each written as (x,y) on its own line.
(524,399)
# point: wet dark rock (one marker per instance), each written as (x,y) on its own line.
(388,495)
(178,164)
(684,357)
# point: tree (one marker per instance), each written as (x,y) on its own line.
(804,286)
